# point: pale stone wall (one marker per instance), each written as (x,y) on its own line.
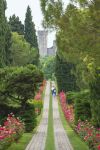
(42,42)
(52,50)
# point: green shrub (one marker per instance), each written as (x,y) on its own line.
(38,105)
(95,98)
(5,110)
(81,101)
(66,81)
(29,117)
(70,96)
(19,83)
(82,110)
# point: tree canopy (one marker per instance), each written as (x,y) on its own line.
(22,52)
(16,25)
(30,33)
(78,43)
(19,83)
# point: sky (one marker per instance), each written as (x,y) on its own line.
(18,7)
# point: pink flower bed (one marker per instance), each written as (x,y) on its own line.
(38,96)
(38,99)
(90,134)
(11,131)
(84,129)
(68,111)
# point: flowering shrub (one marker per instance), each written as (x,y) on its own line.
(37,101)
(38,96)
(68,110)
(90,134)
(38,104)
(11,131)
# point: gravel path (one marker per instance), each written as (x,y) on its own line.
(38,140)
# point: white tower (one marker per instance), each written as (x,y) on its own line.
(42,42)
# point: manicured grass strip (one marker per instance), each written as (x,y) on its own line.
(75,140)
(50,144)
(22,143)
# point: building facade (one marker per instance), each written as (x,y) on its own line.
(52,50)
(42,42)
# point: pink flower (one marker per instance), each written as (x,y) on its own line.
(98,147)
(2,137)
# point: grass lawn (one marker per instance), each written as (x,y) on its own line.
(22,143)
(50,144)
(75,140)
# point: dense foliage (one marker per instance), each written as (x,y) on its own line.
(30,33)
(78,43)
(5,37)
(63,72)
(19,79)
(16,81)
(22,52)
(16,25)
(48,66)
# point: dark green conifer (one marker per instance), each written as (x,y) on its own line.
(16,25)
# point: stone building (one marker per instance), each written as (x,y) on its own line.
(52,50)
(42,42)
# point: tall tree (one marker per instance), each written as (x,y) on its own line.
(5,36)
(8,44)
(35,44)
(2,33)
(30,33)
(16,25)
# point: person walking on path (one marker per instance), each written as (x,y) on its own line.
(53,90)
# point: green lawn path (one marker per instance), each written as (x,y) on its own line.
(50,143)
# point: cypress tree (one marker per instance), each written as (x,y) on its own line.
(2,33)
(5,36)
(8,53)
(30,32)
(35,37)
